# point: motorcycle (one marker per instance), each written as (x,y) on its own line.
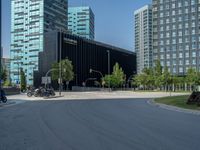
(49,92)
(30,92)
(3,97)
(41,92)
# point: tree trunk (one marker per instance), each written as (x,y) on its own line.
(185,86)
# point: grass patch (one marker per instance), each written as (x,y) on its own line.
(178,101)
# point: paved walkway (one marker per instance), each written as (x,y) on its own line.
(97,95)
(21,98)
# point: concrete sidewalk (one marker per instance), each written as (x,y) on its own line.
(118,94)
(98,95)
(22,98)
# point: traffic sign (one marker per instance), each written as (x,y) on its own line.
(46,80)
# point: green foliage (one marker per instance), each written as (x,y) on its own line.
(22,80)
(158,69)
(191,76)
(116,79)
(4,75)
(157,78)
(158,74)
(177,81)
(7,83)
(67,73)
(146,78)
(166,77)
(198,78)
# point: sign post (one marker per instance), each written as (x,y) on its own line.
(46,80)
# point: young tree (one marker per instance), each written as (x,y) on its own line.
(146,79)
(158,74)
(191,77)
(176,81)
(140,80)
(166,78)
(67,73)
(4,75)
(117,78)
(150,80)
(22,80)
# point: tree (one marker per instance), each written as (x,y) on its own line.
(158,68)
(178,82)
(197,82)
(146,79)
(149,76)
(116,79)
(191,77)
(67,73)
(7,83)
(4,75)
(22,80)
(166,77)
(140,80)
(158,74)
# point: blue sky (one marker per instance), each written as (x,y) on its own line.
(114,22)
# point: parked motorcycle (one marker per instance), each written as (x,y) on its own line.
(49,92)
(30,92)
(41,92)
(3,97)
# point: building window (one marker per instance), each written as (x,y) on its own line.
(180,69)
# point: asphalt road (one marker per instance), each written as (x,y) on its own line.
(96,125)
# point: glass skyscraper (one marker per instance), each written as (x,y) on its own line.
(176,34)
(81,22)
(143,37)
(30,19)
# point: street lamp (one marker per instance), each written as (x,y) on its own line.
(60,65)
(92,70)
(89,79)
(129,79)
(108,51)
(65,40)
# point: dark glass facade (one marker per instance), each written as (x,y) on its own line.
(84,54)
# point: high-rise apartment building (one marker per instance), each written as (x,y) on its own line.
(143,37)
(176,34)
(81,22)
(30,19)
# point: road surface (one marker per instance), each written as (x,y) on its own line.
(123,124)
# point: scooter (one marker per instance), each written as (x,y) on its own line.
(3,97)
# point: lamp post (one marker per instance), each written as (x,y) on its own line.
(18,69)
(129,79)
(60,64)
(89,79)
(92,70)
(108,51)
(63,40)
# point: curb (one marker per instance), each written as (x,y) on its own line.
(173,108)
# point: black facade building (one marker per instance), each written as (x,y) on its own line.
(85,55)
